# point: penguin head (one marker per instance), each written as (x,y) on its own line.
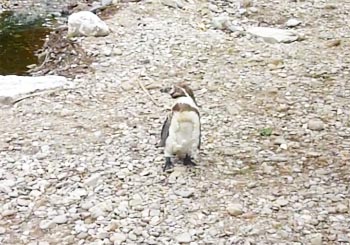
(181,90)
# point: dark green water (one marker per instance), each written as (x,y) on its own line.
(20,36)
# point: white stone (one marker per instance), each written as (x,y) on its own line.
(235,28)
(118,238)
(253,9)
(82,235)
(102,235)
(176,174)
(86,23)
(23,202)
(92,180)
(293,22)
(316,239)
(284,146)
(282,202)
(101,209)
(184,192)
(4,188)
(154,221)
(173,3)
(274,35)
(342,208)
(12,85)
(106,2)
(132,236)
(46,224)
(44,243)
(279,141)
(60,219)
(315,124)
(8,182)
(213,8)
(113,225)
(97,211)
(78,193)
(235,209)
(242,11)
(8,212)
(184,238)
(35,193)
(221,22)
(267,169)
(118,51)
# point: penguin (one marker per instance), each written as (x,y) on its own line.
(181,131)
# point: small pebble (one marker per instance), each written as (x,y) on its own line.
(316,125)
(184,237)
(235,209)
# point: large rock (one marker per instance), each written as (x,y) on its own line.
(13,85)
(274,35)
(86,23)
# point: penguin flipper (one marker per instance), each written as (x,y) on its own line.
(165,130)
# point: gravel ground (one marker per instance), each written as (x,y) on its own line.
(80,166)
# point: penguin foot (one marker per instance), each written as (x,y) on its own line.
(188,161)
(168,164)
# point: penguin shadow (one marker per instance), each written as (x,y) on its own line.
(198,162)
(180,164)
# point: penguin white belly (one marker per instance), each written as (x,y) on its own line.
(184,134)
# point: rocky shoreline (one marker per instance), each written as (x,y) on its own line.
(79,165)
(61,55)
